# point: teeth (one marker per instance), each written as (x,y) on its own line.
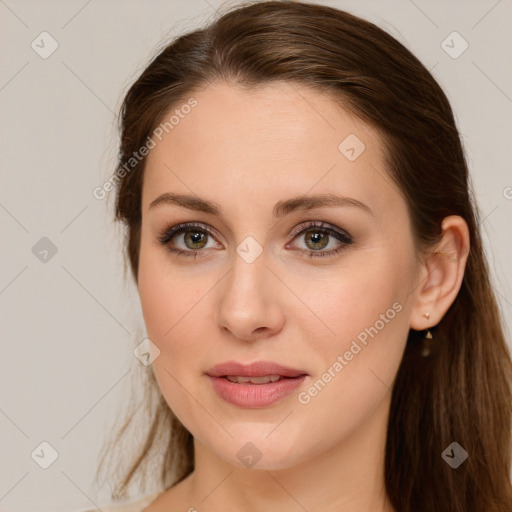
(253,380)
(238,379)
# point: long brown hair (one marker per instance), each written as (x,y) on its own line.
(462,392)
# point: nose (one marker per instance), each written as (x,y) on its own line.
(249,301)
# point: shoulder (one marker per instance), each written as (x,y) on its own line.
(134,506)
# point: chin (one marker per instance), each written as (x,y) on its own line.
(256,449)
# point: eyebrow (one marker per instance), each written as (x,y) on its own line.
(281,208)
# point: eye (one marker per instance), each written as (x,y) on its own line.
(195,235)
(317,237)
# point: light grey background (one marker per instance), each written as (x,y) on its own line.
(69,324)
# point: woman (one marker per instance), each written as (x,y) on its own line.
(321,327)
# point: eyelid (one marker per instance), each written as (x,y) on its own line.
(313,224)
(174,229)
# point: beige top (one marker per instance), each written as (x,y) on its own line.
(135,506)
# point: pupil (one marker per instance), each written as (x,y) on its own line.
(194,237)
(317,238)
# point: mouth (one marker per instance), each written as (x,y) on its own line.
(240,379)
(254,372)
(256,385)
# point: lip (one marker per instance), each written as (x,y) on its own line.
(249,395)
(256,369)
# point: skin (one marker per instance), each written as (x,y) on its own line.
(245,151)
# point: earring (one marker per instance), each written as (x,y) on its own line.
(427,343)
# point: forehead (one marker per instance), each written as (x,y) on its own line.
(280,139)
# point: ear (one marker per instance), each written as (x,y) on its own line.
(441,274)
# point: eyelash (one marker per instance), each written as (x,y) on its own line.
(169,233)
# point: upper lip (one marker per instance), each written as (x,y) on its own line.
(256,369)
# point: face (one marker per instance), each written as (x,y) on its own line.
(322,289)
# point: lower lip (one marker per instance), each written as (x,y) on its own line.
(249,395)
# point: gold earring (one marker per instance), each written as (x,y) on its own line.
(427,343)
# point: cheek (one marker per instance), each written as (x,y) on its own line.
(363,317)
(168,306)
(157,302)
(164,291)
(356,297)
(173,300)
